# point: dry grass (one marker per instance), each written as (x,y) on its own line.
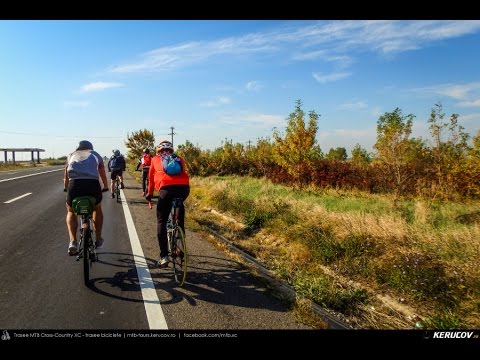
(424,253)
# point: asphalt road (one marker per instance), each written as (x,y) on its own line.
(42,287)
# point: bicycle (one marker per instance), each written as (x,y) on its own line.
(84,206)
(177,246)
(117,189)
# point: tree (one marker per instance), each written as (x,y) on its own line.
(476,145)
(138,141)
(261,157)
(360,156)
(449,152)
(193,157)
(339,153)
(298,148)
(394,148)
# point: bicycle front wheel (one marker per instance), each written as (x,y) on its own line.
(179,255)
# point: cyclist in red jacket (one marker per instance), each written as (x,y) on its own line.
(169,186)
(144,162)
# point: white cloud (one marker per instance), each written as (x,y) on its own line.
(474,103)
(95,86)
(355,105)
(455,91)
(324,78)
(75,104)
(254,86)
(311,55)
(244,118)
(340,61)
(328,40)
(217,101)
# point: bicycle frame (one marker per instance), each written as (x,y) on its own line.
(83,207)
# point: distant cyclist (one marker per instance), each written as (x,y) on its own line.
(83,168)
(116,165)
(169,186)
(144,162)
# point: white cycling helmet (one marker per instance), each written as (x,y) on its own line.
(165,145)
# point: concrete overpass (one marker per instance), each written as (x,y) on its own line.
(30,150)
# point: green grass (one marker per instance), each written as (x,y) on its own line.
(444,321)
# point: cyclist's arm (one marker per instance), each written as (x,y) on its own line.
(65,177)
(103,176)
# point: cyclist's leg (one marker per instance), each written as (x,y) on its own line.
(113,176)
(71,220)
(96,191)
(72,224)
(120,177)
(144,181)
(163,210)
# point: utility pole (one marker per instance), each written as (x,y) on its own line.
(172,133)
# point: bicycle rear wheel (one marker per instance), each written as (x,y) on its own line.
(179,255)
(117,189)
(86,240)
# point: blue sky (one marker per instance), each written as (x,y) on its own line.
(63,81)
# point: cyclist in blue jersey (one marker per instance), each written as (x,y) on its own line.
(116,165)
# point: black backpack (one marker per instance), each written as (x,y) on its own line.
(116,163)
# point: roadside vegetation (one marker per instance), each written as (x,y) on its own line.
(342,249)
(389,239)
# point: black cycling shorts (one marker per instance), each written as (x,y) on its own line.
(115,173)
(80,187)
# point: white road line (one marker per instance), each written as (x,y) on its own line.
(18,197)
(156,319)
(24,176)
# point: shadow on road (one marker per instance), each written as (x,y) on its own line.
(210,279)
